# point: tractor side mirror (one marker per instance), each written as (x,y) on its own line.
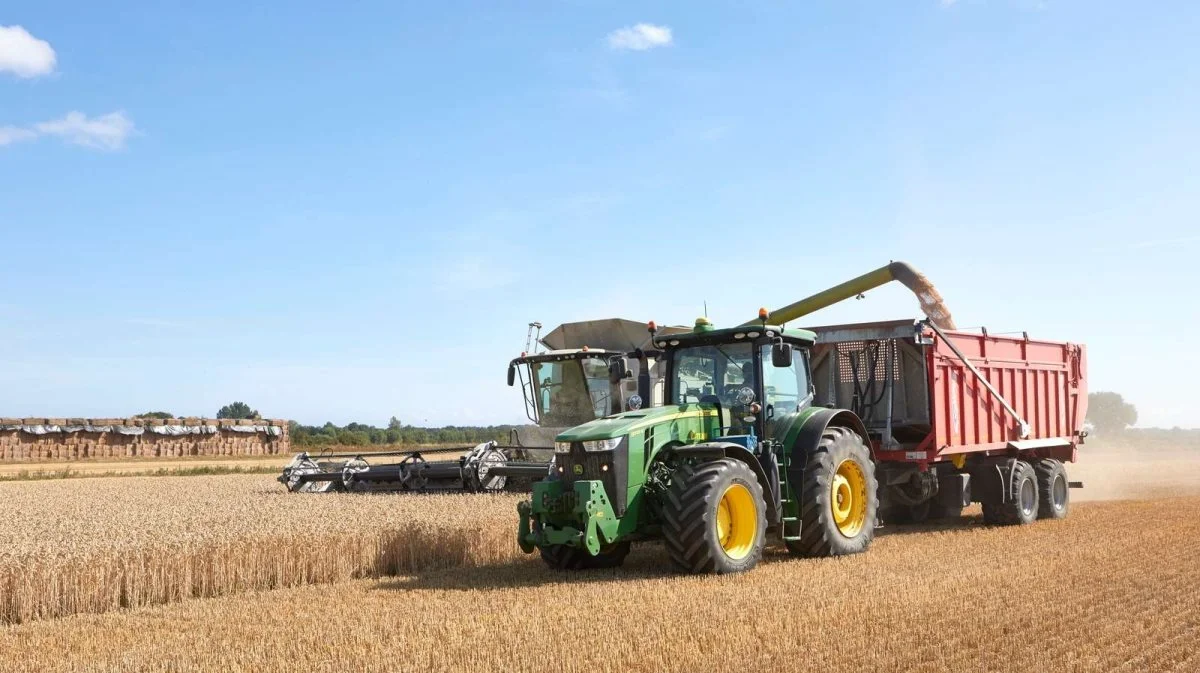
(512,373)
(618,369)
(781,354)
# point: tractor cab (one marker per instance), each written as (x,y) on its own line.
(751,375)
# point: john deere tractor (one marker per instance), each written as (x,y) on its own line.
(737,451)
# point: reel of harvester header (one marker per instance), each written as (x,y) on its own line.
(483,468)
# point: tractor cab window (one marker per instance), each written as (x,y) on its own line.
(713,371)
(785,387)
(569,392)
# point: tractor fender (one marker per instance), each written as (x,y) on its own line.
(737,452)
(810,436)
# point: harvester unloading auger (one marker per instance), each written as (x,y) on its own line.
(928,296)
(593,368)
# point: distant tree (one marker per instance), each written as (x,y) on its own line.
(237,410)
(394,424)
(1110,413)
(156,414)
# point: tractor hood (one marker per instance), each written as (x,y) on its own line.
(619,425)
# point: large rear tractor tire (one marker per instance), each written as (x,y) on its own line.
(1021,504)
(838,497)
(1054,491)
(562,557)
(714,517)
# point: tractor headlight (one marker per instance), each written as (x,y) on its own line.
(562,447)
(602,444)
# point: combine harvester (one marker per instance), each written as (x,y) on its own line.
(814,436)
(592,369)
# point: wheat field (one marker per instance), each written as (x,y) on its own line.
(94,545)
(1113,588)
(233,573)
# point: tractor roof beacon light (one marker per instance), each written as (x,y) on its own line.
(763,314)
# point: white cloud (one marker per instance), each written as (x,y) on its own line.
(13,134)
(23,54)
(640,37)
(106,132)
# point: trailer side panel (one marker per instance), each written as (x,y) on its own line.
(1043,382)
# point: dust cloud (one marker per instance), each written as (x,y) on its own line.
(1136,468)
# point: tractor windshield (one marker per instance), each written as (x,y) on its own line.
(571,392)
(718,370)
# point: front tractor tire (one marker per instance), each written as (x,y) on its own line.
(714,517)
(563,557)
(838,497)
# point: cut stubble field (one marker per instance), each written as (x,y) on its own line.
(1102,591)
(1114,587)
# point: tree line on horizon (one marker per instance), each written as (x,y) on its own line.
(1108,413)
(361,434)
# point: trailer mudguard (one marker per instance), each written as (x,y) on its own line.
(738,452)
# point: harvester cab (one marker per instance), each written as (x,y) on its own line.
(565,388)
(591,369)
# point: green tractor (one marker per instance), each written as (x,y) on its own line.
(736,452)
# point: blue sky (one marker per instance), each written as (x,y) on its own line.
(349,211)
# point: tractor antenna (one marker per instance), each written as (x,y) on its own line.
(705,308)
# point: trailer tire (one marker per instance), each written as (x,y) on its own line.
(838,472)
(563,557)
(1054,491)
(714,517)
(1020,505)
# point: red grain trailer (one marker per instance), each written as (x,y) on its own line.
(957,417)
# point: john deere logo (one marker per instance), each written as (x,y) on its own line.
(578,469)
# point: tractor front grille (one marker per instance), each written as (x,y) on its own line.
(580,465)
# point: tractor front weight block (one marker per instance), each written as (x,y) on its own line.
(581,517)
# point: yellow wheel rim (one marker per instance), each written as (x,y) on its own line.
(737,521)
(848,498)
